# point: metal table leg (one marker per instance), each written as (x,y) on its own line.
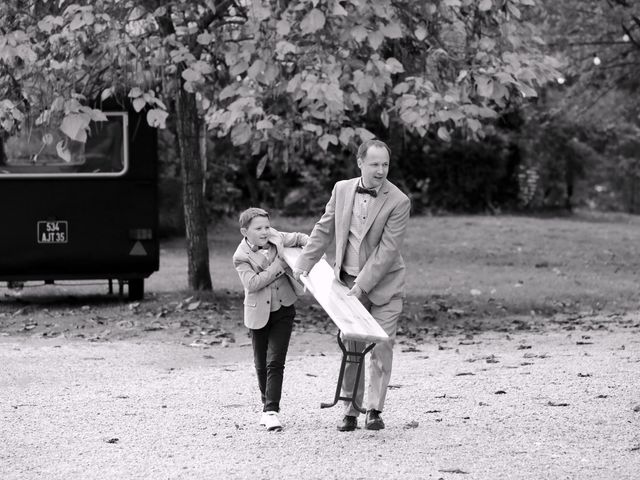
(345,359)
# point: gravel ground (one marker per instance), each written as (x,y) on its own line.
(527,405)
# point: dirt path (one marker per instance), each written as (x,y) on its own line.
(526,404)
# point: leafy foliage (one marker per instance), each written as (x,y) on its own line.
(269,74)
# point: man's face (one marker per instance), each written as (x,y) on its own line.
(374,167)
(258,231)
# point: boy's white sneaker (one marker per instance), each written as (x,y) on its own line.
(271,421)
(263,419)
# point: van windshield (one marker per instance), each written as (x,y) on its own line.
(45,151)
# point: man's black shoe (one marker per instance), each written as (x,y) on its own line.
(373,420)
(349,424)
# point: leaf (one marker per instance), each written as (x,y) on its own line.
(401,88)
(138,104)
(394,65)
(312,22)
(474,124)
(193,305)
(364,134)
(261,165)
(384,117)
(411,424)
(312,127)
(191,75)
(228,92)
(135,92)
(260,11)
(392,30)
(375,39)
(443,134)
(485,86)
(63,151)
(77,22)
(346,134)
(454,470)
(256,68)
(204,38)
(157,118)
(527,91)
(239,68)
(359,33)
(97,115)
(452,3)
(513,10)
(283,27)
(420,33)
(485,5)
(339,11)
(74,126)
(326,139)
(240,134)
(106,93)
(487,44)
(264,124)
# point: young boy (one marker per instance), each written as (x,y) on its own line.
(270,292)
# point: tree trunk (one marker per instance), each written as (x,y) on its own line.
(195,217)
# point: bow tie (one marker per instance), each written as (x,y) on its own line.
(255,248)
(367,191)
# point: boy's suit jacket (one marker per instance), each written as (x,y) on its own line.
(382,269)
(257,275)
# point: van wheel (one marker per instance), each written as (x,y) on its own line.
(136,288)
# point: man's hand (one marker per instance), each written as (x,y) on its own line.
(297,273)
(356,291)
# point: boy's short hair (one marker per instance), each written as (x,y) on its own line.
(373,142)
(249,214)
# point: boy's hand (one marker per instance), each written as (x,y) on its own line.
(297,273)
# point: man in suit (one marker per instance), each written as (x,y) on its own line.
(367,217)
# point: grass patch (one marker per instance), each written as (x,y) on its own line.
(486,265)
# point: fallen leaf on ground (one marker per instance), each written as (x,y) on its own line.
(557,404)
(193,306)
(454,470)
(411,424)
(500,392)
(411,349)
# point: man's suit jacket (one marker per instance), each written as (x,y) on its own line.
(382,269)
(256,275)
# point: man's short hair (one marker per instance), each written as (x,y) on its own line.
(249,214)
(373,142)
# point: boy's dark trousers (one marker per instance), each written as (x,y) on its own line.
(270,344)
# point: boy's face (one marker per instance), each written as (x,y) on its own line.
(258,231)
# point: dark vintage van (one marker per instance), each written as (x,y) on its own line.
(74,210)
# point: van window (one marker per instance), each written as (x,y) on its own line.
(44,151)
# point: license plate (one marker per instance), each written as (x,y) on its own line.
(53,232)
